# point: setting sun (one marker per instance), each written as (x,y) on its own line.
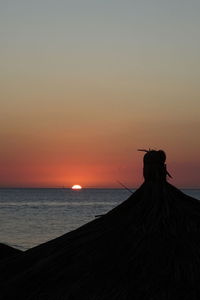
(76,187)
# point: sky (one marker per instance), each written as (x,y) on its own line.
(84,84)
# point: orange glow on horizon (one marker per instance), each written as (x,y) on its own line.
(76,187)
(79,96)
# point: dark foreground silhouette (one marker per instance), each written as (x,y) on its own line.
(7,252)
(147,248)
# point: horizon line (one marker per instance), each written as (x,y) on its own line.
(87,187)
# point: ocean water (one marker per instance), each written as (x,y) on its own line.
(29,217)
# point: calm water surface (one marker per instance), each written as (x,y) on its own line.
(29,217)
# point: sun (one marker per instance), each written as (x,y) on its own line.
(76,187)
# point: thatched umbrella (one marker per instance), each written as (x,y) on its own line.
(7,251)
(147,248)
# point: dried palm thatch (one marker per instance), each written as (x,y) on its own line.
(147,248)
(7,251)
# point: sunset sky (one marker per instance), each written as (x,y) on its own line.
(84,84)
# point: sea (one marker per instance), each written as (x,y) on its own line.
(31,216)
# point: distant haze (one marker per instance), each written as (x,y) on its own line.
(84,84)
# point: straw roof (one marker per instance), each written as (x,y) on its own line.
(146,248)
(7,251)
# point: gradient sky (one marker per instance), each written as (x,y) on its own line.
(84,84)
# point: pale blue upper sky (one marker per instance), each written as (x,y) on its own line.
(130,68)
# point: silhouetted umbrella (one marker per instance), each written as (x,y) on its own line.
(147,248)
(7,251)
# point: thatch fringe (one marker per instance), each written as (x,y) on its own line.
(147,248)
